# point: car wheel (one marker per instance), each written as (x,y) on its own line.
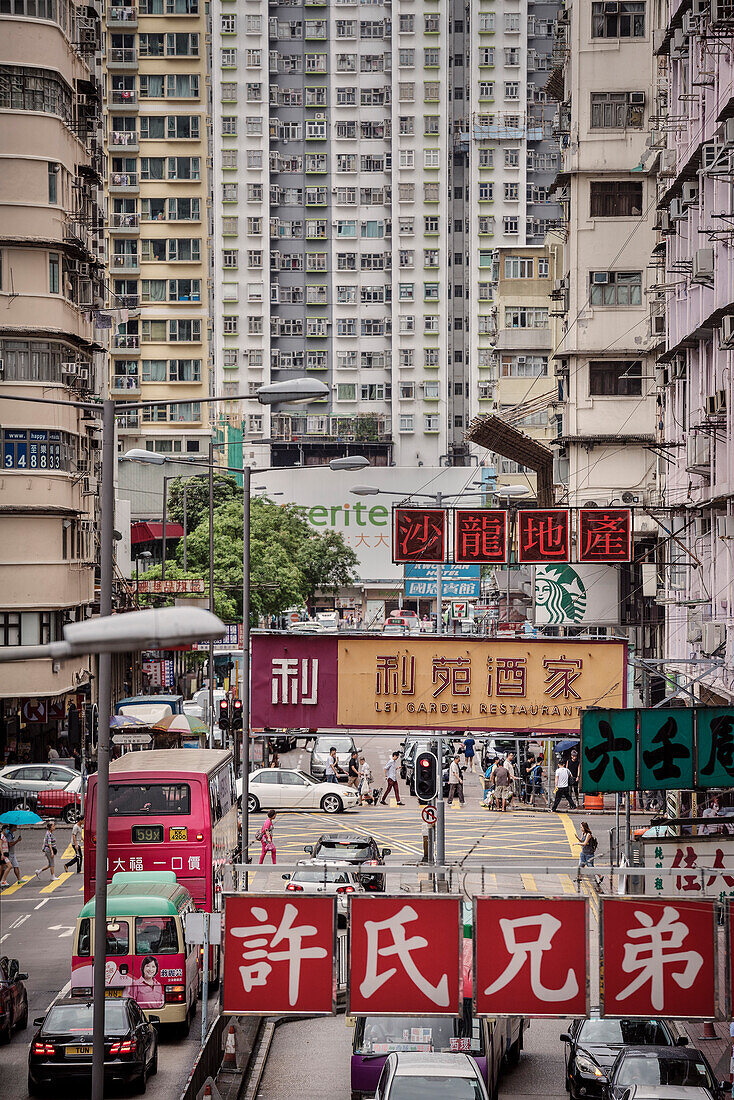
(23,1021)
(154,1064)
(513,1054)
(33,1088)
(252,804)
(332,804)
(70,814)
(140,1084)
(5,1033)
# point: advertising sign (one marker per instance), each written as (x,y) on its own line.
(456,581)
(419,534)
(543,534)
(530,956)
(666,749)
(279,954)
(178,587)
(715,745)
(426,682)
(404,956)
(604,535)
(659,958)
(569,594)
(480,535)
(705,864)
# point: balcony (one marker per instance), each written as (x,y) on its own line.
(124,16)
(124,183)
(127,225)
(123,99)
(122,59)
(127,263)
(364,427)
(124,139)
(125,383)
(124,341)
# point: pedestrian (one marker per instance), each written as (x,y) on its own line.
(712,811)
(76,843)
(500,778)
(391,777)
(486,783)
(265,836)
(456,785)
(4,861)
(365,783)
(49,850)
(12,839)
(536,782)
(573,766)
(589,844)
(469,743)
(527,777)
(53,755)
(563,786)
(353,772)
(275,761)
(332,767)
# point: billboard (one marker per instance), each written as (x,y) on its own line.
(566,595)
(522,685)
(457,581)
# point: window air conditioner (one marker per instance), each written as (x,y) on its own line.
(703,267)
(690,194)
(726,332)
(709,404)
(658,324)
(676,210)
(728,133)
(667,160)
(600,277)
(69,368)
(709,153)
(713,635)
(637,99)
(725,527)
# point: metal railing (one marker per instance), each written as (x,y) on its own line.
(123,137)
(124,179)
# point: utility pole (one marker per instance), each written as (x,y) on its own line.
(440,804)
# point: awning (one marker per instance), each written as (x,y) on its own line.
(153,532)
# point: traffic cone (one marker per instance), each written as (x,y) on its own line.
(709,1031)
(207,1091)
(230,1051)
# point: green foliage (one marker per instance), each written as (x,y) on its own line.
(197,497)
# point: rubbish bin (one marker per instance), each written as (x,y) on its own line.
(593,801)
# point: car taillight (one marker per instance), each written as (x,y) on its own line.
(86,991)
(175,994)
(345,889)
(294,886)
(126,1046)
(43,1048)
(372,863)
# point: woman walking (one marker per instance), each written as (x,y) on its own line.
(589,844)
(49,850)
(265,836)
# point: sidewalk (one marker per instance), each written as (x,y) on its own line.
(717,1050)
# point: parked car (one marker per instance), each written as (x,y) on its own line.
(591,1047)
(360,850)
(38,777)
(66,803)
(12,797)
(13,998)
(286,789)
(344,746)
(316,877)
(682,1067)
(430,1076)
(61,1049)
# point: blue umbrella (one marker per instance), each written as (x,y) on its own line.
(564,746)
(20,817)
(125,721)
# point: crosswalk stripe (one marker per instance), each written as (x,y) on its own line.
(18,885)
(55,885)
(567,884)
(529,883)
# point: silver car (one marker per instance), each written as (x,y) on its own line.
(38,777)
(407,1076)
(320,754)
(318,877)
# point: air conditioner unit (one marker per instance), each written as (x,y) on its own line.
(667,160)
(662,221)
(726,332)
(709,153)
(600,277)
(694,626)
(698,450)
(728,132)
(689,23)
(637,99)
(676,210)
(725,527)
(713,636)
(657,324)
(680,41)
(627,497)
(720,401)
(690,194)
(590,504)
(703,267)
(69,368)
(709,404)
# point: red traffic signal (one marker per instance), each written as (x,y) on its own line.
(224,714)
(426,776)
(237,714)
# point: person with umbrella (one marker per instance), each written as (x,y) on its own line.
(11,821)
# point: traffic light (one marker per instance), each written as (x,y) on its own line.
(224,714)
(426,776)
(237,714)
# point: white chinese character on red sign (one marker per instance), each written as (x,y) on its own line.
(522,950)
(258,954)
(288,674)
(658,946)
(401,949)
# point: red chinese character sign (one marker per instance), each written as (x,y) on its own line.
(530,956)
(404,956)
(480,535)
(419,534)
(543,534)
(604,535)
(659,958)
(279,954)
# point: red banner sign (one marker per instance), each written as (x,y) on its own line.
(530,956)
(404,956)
(604,535)
(659,958)
(543,535)
(279,954)
(419,534)
(480,535)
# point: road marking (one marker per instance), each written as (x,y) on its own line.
(575,846)
(55,885)
(65,931)
(529,883)
(4,937)
(14,889)
(567,884)
(18,921)
(41,904)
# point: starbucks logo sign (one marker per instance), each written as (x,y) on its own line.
(560,595)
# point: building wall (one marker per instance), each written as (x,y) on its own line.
(50,278)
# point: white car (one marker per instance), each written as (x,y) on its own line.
(287,789)
(38,777)
(406,1075)
(318,877)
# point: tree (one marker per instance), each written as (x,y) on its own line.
(197,497)
(224,606)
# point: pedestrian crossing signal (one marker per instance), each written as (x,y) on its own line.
(426,777)
(237,714)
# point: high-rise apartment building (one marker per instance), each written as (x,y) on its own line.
(50,279)
(157,189)
(369,158)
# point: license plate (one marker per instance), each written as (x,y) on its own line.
(79,1050)
(113,992)
(178,834)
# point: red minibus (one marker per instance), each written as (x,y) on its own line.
(169,810)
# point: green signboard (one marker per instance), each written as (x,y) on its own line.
(608,753)
(715,755)
(666,750)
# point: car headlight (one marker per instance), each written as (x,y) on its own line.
(585,1064)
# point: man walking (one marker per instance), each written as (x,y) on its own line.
(332,767)
(563,787)
(353,772)
(573,767)
(391,778)
(76,843)
(12,839)
(502,790)
(456,784)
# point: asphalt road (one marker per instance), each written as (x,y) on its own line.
(37,922)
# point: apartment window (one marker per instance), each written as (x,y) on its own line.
(621,19)
(184,331)
(512,158)
(617,110)
(229,126)
(510,226)
(431,91)
(543,268)
(519,267)
(230,192)
(406,158)
(229,159)
(253,125)
(406,24)
(512,89)
(430,357)
(526,317)
(406,192)
(615,378)
(372,391)
(512,22)
(406,92)
(430,323)
(484,292)
(228,24)
(406,59)
(524,366)
(229,58)
(431,158)
(254,158)
(183,86)
(431,423)
(253,24)
(181,168)
(486,158)
(486,89)
(406,226)
(512,57)
(430,125)
(431,224)
(229,357)
(616,199)
(431,57)
(54,268)
(431,292)
(346,391)
(431,192)
(346,360)
(230,258)
(406,422)
(186,249)
(485,225)
(254,59)
(615,288)
(430,257)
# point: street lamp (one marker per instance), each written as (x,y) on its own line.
(144,555)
